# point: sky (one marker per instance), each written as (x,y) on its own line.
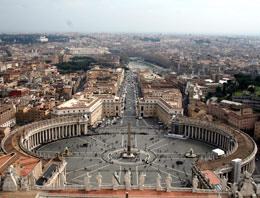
(239,17)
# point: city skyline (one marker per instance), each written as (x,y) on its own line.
(111,16)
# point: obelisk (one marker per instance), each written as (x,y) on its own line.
(129,141)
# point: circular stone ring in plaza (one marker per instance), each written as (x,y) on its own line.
(139,157)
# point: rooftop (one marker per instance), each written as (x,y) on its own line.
(78,103)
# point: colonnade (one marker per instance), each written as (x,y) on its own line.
(54,129)
(216,137)
(222,136)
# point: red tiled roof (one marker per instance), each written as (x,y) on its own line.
(4,159)
(212,177)
(27,164)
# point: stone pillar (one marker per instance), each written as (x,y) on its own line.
(222,141)
(54,135)
(204,134)
(85,129)
(46,135)
(215,138)
(33,140)
(65,131)
(61,131)
(26,145)
(78,130)
(58,132)
(68,131)
(29,143)
(40,137)
(73,130)
(218,139)
(31,137)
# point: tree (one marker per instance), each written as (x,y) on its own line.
(257,79)
(218,91)
(251,89)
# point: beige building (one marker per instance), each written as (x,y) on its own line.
(158,107)
(104,80)
(257,131)
(94,106)
(160,98)
(7,115)
(235,114)
(112,106)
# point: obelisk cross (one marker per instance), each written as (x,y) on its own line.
(129,140)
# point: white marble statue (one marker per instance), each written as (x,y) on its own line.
(158,182)
(14,172)
(32,178)
(115,181)
(9,184)
(168,182)
(224,184)
(87,181)
(62,179)
(195,183)
(141,181)
(128,180)
(247,189)
(99,180)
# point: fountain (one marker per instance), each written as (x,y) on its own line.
(190,154)
(66,152)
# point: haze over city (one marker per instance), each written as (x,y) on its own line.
(239,17)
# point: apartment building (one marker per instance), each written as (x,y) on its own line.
(7,115)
